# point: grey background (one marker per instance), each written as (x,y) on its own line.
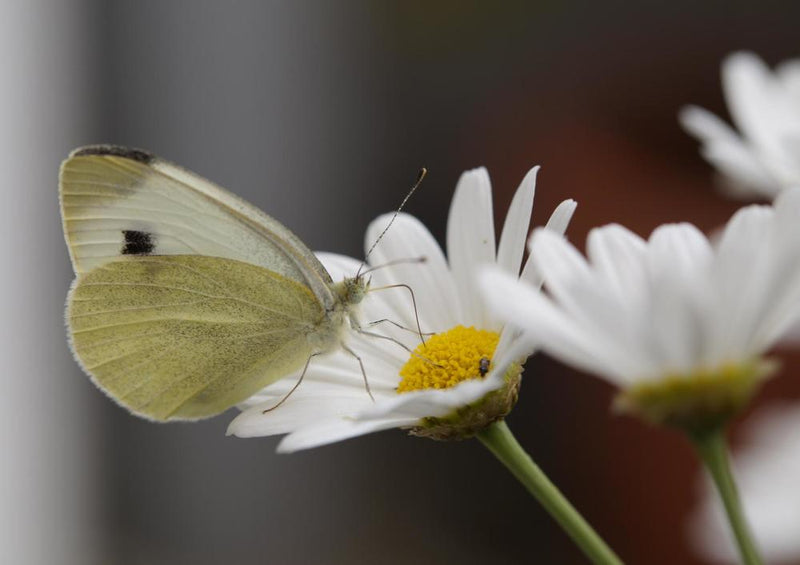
(321,113)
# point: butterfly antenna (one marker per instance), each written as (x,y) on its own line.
(422,173)
(404,261)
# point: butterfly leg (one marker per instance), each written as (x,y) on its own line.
(413,302)
(297,384)
(401,326)
(401,344)
(363,372)
(386,337)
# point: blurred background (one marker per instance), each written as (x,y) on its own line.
(321,113)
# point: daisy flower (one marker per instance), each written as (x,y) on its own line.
(468,370)
(767,467)
(679,324)
(764,158)
(462,381)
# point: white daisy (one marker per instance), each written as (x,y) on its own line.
(332,404)
(679,324)
(765,158)
(767,468)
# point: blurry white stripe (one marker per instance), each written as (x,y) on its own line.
(46,478)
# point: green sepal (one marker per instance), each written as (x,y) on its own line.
(466,421)
(698,402)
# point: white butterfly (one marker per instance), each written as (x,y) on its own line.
(187,299)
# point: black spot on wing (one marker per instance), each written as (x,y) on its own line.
(117,151)
(138,243)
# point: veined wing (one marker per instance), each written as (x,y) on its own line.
(186,336)
(117,201)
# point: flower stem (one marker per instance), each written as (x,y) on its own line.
(712,449)
(500,441)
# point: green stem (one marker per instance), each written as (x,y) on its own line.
(712,449)
(500,441)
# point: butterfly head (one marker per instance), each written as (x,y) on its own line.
(351,290)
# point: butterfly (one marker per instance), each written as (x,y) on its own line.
(187,299)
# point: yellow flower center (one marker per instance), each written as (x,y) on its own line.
(449,358)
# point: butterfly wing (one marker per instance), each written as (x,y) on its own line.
(187,298)
(187,336)
(117,201)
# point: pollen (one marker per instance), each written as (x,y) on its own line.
(448,358)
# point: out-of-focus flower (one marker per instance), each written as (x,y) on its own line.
(681,326)
(767,469)
(764,157)
(464,378)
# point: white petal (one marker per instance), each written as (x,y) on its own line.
(382,360)
(558,334)
(339,374)
(707,127)
(297,411)
(431,281)
(679,250)
(515,228)
(470,239)
(561,265)
(791,335)
(561,216)
(325,432)
(558,223)
(586,297)
(679,267)
(781,294)
(745,80)
(432,403)
(786,207)
(724,149)
(320,379)
(512,346)
(770,113)
(788,73)
(618,256)
(742,276)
